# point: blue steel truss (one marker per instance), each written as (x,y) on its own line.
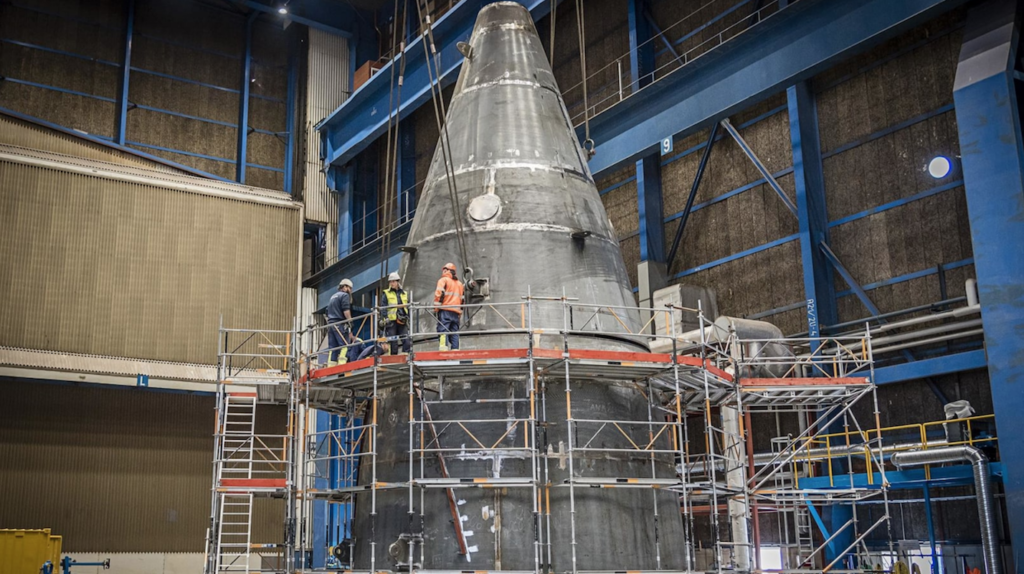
(792,45)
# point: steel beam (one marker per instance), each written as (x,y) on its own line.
(126,71)
(992,156)
(767,175)
(293,88)
(792,45)
(243,103)
(819,289)
(933,367)
(363,117)
(693,194)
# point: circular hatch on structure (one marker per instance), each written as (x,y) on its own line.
(484,208)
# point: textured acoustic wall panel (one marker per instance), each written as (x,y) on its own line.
(109,260)
(22,133)
(115,470)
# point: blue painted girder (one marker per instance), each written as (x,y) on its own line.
(801,40)
(363,117)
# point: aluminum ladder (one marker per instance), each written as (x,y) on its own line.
(234,460)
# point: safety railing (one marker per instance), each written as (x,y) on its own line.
(616,80)
(831,357)
(546,319)
(254,355)
(248,456)
(826,449)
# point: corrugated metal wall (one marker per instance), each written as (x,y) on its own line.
(105,266)
(115,470)
(328,86)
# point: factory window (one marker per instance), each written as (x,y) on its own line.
(771,558)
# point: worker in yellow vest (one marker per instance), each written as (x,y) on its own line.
(396,314)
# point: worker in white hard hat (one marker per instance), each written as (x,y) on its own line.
(395,314)
(339,321)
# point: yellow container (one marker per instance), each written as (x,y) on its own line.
(25,551)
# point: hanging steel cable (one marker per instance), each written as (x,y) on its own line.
(437,100)
(392,143)
(588,144)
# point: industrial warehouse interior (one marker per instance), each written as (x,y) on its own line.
(518,287)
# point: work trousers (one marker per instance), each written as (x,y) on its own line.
(448,326)
(394,331)
(337,336)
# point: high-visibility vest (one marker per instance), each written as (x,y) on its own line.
(449,294)
(392,298)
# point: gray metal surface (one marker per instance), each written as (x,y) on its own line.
(523,192)
(523,187)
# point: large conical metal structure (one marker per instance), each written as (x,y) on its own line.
(532,221)
(523,186)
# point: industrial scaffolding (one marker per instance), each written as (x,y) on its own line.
(700,396)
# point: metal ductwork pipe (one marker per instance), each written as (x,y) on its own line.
(982,490)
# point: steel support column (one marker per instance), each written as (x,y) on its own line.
(648,168)
(126,71)
(641,49)
(243,102)
(293,87)
(992,152)
(651,213)
(321,508)
(342,183)
(406,183)
(819,289)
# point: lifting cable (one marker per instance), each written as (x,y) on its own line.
(588,144)
(390,159)
(392,142)
(440,115)
(551,41)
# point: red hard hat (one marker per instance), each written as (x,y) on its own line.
(449,266)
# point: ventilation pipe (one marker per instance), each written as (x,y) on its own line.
(982,490)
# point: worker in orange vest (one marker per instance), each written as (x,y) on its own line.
(448,303)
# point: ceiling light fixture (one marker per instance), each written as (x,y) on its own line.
(939,167)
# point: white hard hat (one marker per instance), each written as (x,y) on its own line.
(345,283)
(394,276)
